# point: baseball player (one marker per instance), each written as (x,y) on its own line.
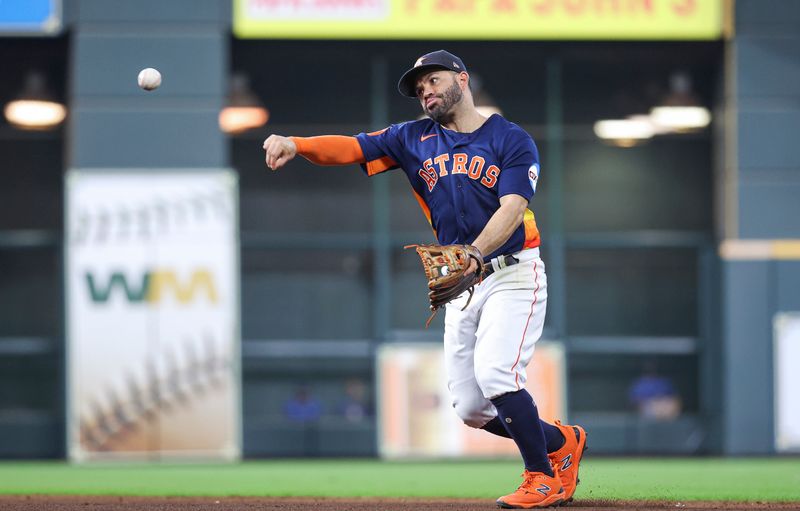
(473,176)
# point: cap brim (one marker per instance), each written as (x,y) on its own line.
(408,81)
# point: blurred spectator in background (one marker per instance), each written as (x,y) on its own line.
(354,406)
(302,407)
(654,395)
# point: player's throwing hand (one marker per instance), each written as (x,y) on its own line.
(279,151)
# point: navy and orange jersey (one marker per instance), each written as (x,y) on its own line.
(458,178)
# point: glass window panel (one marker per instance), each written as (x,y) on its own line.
(31,196)
(30,292)
(617,79)
(30,383)
(664,184)
(309,414)
(313,294)
(406,214)
(632,292)
(300,198)
(308,82)
(605,383)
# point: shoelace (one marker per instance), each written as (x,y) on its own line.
(527,482)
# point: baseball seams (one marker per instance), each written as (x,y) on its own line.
(162,215)
(179,382)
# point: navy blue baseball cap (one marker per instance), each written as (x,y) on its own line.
(439,59)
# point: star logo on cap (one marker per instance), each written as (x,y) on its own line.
(455,65)
(419,61)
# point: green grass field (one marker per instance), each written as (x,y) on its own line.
(775,479)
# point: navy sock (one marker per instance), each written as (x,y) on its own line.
(521,419)
(495,427)
(552,435)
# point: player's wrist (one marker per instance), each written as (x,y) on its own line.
(300,144)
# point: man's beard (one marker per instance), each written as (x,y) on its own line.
(443,112)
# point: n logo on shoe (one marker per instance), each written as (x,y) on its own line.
(543,489)
(566,462)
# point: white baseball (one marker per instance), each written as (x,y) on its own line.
(149,78)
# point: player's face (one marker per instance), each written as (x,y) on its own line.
(438,93)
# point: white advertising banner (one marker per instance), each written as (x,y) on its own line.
(152,292)
(787,382)
(416,417)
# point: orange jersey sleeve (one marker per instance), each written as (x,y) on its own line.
(330,149)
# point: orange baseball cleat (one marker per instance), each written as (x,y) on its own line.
(565,461)
(537,490)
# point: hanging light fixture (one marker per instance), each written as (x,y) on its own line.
(625,132)
(244,110)
(35,109)
(681,110)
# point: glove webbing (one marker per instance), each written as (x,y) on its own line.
(440,260)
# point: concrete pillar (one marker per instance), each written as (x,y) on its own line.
(760,188)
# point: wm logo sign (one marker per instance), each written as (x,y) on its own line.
(153,286)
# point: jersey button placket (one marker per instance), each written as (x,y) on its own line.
(458,202)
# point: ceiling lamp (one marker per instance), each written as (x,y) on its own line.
(244,110)
(35,109)
(681,110)
(681,118)
(624,132)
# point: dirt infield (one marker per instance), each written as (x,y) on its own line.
(94,503)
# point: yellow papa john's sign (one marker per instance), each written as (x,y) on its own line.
(479,19)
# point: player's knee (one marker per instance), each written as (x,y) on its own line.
(473,411)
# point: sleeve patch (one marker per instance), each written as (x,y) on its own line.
(533,175)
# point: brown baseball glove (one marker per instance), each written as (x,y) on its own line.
(446,269)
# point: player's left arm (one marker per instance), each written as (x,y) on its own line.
(501,225)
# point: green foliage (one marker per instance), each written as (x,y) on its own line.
(774,479)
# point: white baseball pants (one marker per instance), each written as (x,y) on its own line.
(488,345)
